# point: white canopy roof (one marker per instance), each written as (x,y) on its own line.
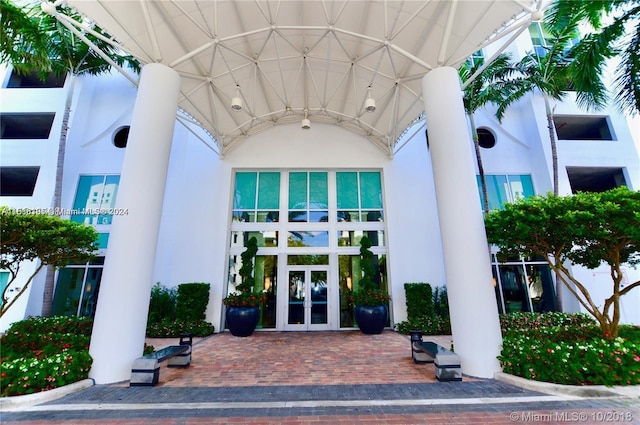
(288,59)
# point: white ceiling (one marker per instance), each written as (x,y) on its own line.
(315,58)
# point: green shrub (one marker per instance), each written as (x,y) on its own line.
(419,300)
(532,321)
(440,301)
(162,304)
(427,310)
(173,328)
(192,301)
(428,325)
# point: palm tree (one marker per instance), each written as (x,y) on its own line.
(34,41)
(483,89)
(552,75)
(620,37)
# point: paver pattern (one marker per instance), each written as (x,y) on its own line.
(314,378)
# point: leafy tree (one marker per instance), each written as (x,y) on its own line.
(485,88)
(34,41)
(586,229)
(619,36)
(54,241)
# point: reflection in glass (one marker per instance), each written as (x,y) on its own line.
(265,275)
(77,288)
(301,260)
(514,288)
(318,297)
(541,288)
(307,238)
(349,276)
(353,237)
(297,294)
(265,238)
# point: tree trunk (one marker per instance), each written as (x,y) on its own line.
(554,166)
(49,282)
(483,180)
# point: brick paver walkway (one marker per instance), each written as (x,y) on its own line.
(299,358)
(315,378)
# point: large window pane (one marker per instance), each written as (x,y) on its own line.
(68,290)
(298,191)
(497,191)
(347,189)
(318,193)
(521,187)
(307,238)
(95,193)
(269,191)
(514,288)
(370,190)
(244,196)
(541,288)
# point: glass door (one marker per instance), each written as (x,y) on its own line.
(307,305)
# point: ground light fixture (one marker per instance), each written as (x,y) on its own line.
(369,103)
(236,102)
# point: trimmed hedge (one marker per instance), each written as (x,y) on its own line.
(192,300)
(173,328)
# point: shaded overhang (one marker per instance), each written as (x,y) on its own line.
(287,60)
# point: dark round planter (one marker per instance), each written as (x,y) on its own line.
(242,321)
(371,320)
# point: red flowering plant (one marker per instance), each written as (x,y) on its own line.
(245,295)
(244,299)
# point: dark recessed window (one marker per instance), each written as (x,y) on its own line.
(35,81)
(486,138)
(26,125)
(582,128)
(120,137)
(18,181)
(595,179)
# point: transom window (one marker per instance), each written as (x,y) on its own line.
(256,197)
(308,197)
(359,196)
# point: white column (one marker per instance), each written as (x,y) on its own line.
(472,303)
(123,303)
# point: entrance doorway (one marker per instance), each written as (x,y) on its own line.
(308,306)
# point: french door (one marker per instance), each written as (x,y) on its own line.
(308,306)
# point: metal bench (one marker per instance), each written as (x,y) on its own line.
(446,362)
(146,369)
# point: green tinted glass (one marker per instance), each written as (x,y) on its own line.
(297,190)
(497,191)
(269,191)
(244,195)
(347,189)
(370,190)
(318,193)
(521,187)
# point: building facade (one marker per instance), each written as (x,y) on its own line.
(307,195)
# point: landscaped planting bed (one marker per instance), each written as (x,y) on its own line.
(568,349)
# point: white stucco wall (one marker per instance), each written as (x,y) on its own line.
(194,235)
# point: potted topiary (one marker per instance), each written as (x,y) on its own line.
(371,311)
(243,306)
